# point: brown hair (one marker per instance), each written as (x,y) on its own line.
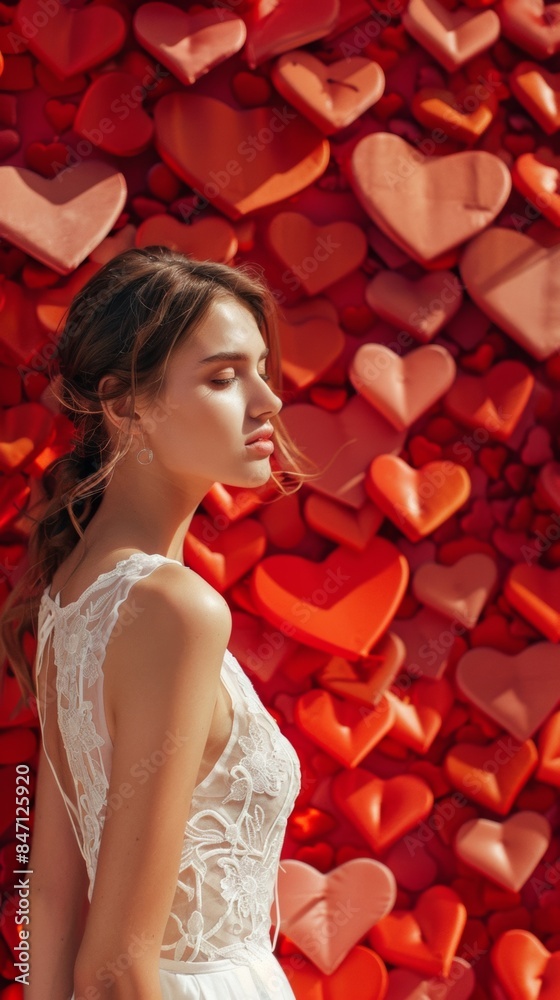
(124,323)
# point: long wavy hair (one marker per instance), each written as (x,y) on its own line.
(124,323)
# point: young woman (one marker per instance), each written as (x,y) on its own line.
(159,766)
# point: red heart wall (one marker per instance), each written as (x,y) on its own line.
(394,168)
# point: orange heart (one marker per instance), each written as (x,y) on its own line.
(402,389)
(522,963)
(382,811)
(505,852)
(226,558)
(532,25)
(425,938)
(362,976)
(238,160)
(366,680)
(72,41)
(315,256)
(435,107)
(206,239)
(422,306)
(494,401)
(39,216)
(309,349)
(538,90)
(127,129)
(450,36)
(492,775)
(518,692)
(506,273)
(450,198)
(364,888)
(342,605)
(535,592)
(417,500)
(342,525)
(537,176)
(278,28)
(345,730)
(341,444)
(188,44)
(459,591)
(419,717)
(332,96)
(549,751)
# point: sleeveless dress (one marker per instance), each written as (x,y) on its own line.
(216,944)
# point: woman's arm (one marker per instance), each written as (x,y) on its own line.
(58,893)
(161,681)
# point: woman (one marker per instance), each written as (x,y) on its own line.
(176,782)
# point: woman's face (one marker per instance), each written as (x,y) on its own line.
(216,401)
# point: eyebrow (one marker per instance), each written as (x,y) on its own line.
(232,356)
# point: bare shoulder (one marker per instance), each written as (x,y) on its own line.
(178,594)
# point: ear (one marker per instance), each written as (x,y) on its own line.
(118,411)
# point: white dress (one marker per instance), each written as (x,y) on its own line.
(216,944)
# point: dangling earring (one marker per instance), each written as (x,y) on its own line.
(148,453)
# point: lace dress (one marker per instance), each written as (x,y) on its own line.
(216,944)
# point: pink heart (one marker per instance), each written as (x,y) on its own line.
(60,221)
(188,44)
(75,39)
(449,198)
(451,36)
(506,852)
(352,897)
(458,985)
(422,306)
(459,591)
(402,389)
(287,25)
(518,692)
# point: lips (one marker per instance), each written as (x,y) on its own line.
(263,435)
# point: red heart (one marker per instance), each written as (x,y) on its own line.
(422,306)
(366,680)
(459,591)
(417,500)
(519,692)
(188,44)
(342,605)
(531,25)
(425,938)
(548,484)
(362,976)
(74,40)
(341,524)
(286,26)
(418,718)
(535,592)
(451,36)
(492,775)
(206,239)
(549,751)
(494,401)
(450,198)
(459,985)
(239,160)
(315,256)
(10,140)
(111,117)
(522,963)
(354,896)
(345,730)
(537,175)
(24,431)
(47,160)
(39,216)
(538,90)
(60,115)
(382,811)
(309,349)
(226,558)
(250,89)
(506,852)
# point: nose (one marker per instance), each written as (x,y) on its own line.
(265,401)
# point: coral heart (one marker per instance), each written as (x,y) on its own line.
(188,44)
(316,256)
(538,90)
(492,775)
(506,273)
(450,198)
(426,938)
(402,389)
(362,976)
(225,559)
(450,36)
(435,108)
(238,160)
(535,592)
(341,445)
(287,26)
(110,117)
(506,852)
(206,239)
(382,811)
(531,24)
(407,985)
(342,605)
(330,96)
(422,306)
(60,221)
(519,692)
(309,349)
(355,896)
(345,730)
(494,401)
(522,963)
(365,681)
(417,500)
(74,40)
(342,524)
(537,176)
(459,591)
(418,718)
